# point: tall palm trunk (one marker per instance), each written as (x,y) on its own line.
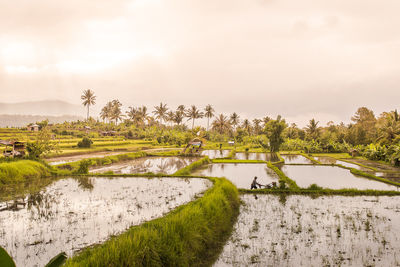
(87,117)
(192,123)
(208,122)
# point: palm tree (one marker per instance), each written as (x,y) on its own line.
(247,126)
(116,113)
(209,113)
(234,120)
(106,111)
(178,118)
(256,126)
(89,99)
(170,116)
(161,112)
(221,124)
(193,113)
(141,116)
(181,108)
(312,129)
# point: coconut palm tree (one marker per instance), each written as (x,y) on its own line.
(221,124)
(312,129)
(170,116)
(181,108)
(161,112)
(247,126)
(89,99)
(256,126)
(178,117)
(106,111)
(209,113)
(234,120)
(116,113)
(193,113)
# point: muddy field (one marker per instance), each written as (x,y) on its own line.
(71,214)
(326,231)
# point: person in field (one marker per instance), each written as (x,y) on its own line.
(254,184)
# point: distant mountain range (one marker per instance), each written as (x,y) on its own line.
(46,107)
(22,113)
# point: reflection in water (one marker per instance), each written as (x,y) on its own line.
(67,217)
(331,177)
(214,154)
(391,175)
(241,174)
(166,165)
(256,156)
(85,182)
(327,231)
(296,159)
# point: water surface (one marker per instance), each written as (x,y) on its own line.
(165,165)
(241,174)
(71,214)
(215,154)
(326,231)
(256,156)
(295,159)
(331,177)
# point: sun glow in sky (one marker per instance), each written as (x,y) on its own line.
(300,59)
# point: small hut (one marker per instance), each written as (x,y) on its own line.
(195,146)
(13,148)
(353,153)
(33,127)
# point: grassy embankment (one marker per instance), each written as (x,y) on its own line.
(190,168)
(191,235)
(22,170)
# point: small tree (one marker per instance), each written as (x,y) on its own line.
(42,145)
(274,132)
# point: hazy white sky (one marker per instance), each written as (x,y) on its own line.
(300,59)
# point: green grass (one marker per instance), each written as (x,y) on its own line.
(237,161)
(373,177)
(292,184)
(321,192)
(310,158)
(191,235)
(22,171)
(190,168)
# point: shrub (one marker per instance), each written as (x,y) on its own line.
(85,142)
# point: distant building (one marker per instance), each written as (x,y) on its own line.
(33,127)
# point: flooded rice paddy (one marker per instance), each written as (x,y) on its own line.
(329,160)
(256,156)
(326,231)
(331,177)
(215,154)
(241,174)
(164,165)
(68,159)
(295,159)
(71,214)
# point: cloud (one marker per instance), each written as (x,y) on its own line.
(294,58)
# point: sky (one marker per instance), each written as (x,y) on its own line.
(300,59)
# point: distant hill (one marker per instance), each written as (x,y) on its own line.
(46,107)
(23,120)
